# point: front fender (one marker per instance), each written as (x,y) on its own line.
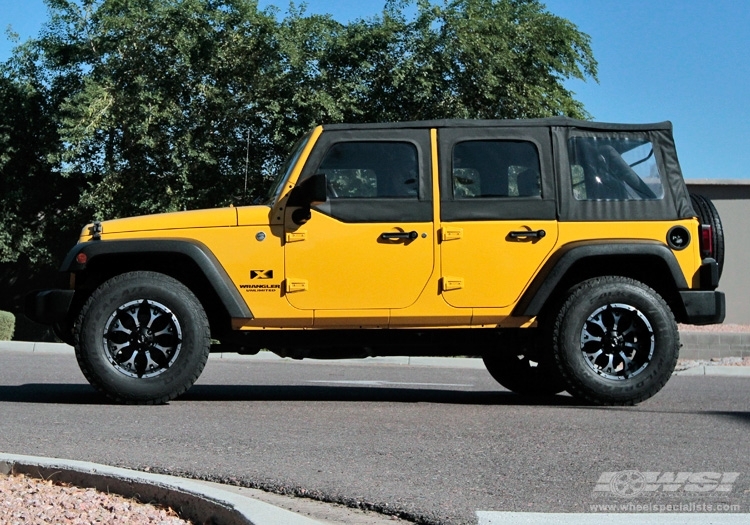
(83,254)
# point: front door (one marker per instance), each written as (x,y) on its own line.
(498,216)
(370,245)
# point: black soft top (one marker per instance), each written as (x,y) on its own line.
(675,204)
(507,123)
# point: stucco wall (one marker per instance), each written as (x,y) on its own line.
(732,200)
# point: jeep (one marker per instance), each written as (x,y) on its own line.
(562,252)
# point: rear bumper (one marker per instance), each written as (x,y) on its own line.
(48,306)
(704,306)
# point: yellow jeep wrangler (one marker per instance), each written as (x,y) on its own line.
(563,252)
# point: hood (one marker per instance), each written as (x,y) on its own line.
(215,218)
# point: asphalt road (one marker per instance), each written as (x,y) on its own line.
(435,445)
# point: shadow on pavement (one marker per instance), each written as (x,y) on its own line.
(82,394)
(77,394)
(366,394)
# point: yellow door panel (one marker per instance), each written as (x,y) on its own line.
(351,266)
(492,262)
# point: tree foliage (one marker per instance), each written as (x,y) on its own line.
(126,107)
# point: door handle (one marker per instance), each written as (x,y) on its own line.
(538,234)
(399,235)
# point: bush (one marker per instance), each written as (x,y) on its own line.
(7,325)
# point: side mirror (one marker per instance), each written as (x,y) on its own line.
(310,191)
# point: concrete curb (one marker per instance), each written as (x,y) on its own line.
(695,345)
(715,370)
(28,346)
(191,499)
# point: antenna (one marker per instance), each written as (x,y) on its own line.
(247,159)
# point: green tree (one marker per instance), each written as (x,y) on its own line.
(33,196)
(462,59)
(164,102)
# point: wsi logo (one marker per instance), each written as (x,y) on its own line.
(631,483)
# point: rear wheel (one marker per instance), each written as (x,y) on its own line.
(615,341)
(142,338)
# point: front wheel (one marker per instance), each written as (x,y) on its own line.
(142,338)
(615,341)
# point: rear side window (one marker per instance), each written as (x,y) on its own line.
(612,168)
(495,168)
(372,169)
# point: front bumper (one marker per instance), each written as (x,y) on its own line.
(48,306)
(704,306)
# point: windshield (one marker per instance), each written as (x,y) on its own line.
(286,169)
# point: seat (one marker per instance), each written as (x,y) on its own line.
(528,183)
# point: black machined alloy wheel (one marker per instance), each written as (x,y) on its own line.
(142,338)
(615,341)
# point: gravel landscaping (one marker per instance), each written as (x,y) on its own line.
(27,500)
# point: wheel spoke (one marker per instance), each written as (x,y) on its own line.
(117,349)
(596,321)
(118,335)
(609,367)
(588,337)
(129,364)
(627,361)
(150,364)
(616,316)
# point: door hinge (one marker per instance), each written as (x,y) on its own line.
(296,236)
(296,285)
(451,234)
(453,283)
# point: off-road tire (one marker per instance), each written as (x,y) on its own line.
(629,319)
(708,214)
(142,338)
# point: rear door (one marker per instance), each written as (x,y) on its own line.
(498,212)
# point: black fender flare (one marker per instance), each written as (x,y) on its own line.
(198,252)
(555,270)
